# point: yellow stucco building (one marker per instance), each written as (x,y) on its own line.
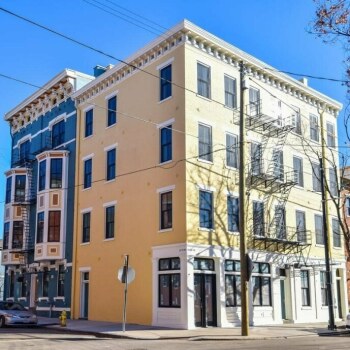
(157,168)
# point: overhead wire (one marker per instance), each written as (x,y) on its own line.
(115,58)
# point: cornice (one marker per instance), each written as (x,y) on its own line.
(190,34)
(57,90)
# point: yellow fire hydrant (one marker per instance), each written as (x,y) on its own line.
(63,318)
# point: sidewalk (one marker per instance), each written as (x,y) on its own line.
(134,331)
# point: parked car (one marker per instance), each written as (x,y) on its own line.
(12,313)
(348,321)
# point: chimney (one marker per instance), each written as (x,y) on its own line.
(303,80)
(98,70)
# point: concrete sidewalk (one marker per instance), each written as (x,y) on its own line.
(134,331)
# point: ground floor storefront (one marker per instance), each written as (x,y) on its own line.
(199,286)
(42,287)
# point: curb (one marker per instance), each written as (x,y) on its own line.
(334,333)
(111,335)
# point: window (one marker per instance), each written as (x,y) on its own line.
(258,219)
(165,82)
(347,206)
(169,283)
(169,264)
(305,288)
(280,222)
(336,233)
(45,282)
(205,143)
(56,173)
(12,284)
(206,209)
(5,244)
(60,281)
(333,187)
(166,144)
(17,235)
(316,177)
(230,92)
(319,229)
(323,281)
(8,190)
(314,134)
(109,229)
(20,188)
(298,171)
(232,283)
(254,102)
(278,165)
(24,286)
(300,226)
(87,173)
(261,281)
(42,175)
(89,122)
(110,171)
(232,151)
(86,227)
(54,226)
(58,134)
(296,120)
(256,158)
(233,213)
(24,151)
(203,80)
(330,135)
(166,210)
(203,264)
(40,228)
(112,111)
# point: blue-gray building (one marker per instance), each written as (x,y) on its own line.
(39,201)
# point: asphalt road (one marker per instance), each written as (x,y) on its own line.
(45,339)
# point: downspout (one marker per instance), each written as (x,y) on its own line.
(75,216)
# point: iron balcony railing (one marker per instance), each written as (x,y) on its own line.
(281,233)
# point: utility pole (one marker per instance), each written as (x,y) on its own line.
(325,215)
(242,210)
(331,323)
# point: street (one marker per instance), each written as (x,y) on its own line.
(45,338)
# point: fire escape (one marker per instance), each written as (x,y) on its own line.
(275,180)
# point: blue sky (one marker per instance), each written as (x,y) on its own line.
(274,31)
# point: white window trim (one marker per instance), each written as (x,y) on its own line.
(115,93)
(109,204)
(230,193)
(110,147)
(57,120)
(24,139)
(165,64)
(165,99)
(85,269)
(166,123)
(88,108)
(89,156)
(166,189)
(86,210)
(206,188)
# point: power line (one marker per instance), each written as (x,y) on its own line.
(308,75)
(156,124)
(103,53)
(115,13)
(101,107)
